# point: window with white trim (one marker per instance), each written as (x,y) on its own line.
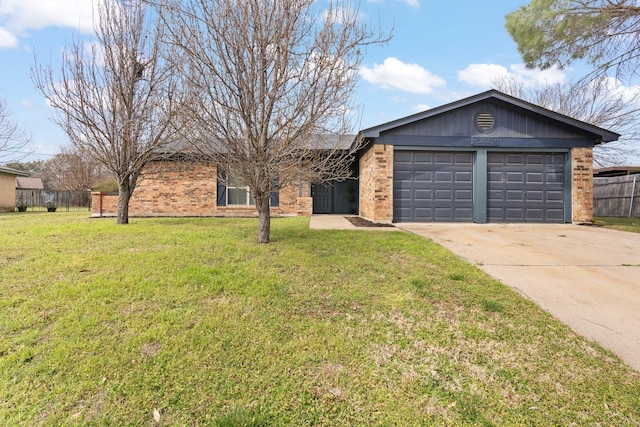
(238,193)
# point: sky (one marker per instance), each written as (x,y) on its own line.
(441,51)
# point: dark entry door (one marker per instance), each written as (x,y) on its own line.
(432,186)
(525,187)
(322,199)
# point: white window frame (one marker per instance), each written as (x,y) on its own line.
(239,185)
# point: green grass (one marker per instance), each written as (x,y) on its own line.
(101,324)
(623,224)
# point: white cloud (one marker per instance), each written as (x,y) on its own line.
(17,17)
(7,39)
(395,74)
(483,75)
(421,107)
(617,88)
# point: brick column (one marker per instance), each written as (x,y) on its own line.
(582,184)
(376,183)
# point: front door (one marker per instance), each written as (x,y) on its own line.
(322,198)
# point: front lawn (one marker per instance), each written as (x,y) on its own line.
(189,322)
(623,224)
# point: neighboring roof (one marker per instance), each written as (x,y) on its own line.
(616,171)
(332,141)
(603,134)
(25,183)
(11,171)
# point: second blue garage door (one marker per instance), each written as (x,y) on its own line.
(525,187)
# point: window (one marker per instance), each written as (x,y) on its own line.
(233,192)
(238,193)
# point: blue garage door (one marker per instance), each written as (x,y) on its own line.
(432,186)
(525,187)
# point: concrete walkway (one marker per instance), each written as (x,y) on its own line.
(330,222)
(588,277)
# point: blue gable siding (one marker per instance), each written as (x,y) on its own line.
(513,128)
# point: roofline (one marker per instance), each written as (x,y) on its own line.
(605,135)
(15,172)
(616,171)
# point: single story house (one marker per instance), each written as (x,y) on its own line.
(8,188)
(486,158)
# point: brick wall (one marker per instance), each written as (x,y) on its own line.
(582,184)
(187,189)
(376,183)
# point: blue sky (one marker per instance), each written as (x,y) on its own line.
(442,50)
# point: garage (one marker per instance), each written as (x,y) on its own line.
(486,158)
(433,186)
(525,187)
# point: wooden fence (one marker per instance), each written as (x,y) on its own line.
(617,196)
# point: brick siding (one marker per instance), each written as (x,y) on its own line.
(376,183)
(582,184)
(188,189)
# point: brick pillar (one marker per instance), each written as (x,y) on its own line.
(582,184)
(376,183)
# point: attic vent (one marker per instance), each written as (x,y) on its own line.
(485,122)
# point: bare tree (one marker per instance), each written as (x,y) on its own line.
(271,85)
(73,170)
(13,140)
(601,102)
(119,99)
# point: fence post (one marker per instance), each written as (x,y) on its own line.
(633,192)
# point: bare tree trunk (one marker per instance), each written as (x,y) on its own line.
(264,218)
(124,194)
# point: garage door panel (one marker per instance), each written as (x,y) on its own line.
(419,214)
(525,187)
(514,177)
(463,195)
(556,215)
(554,196)
(535,196)
(440,183)
(514,195)
(514,215)
(441,158)
(401,157)
(463,176)
(444,177)
(422,158)
(536,215)
(422,195)
(419,176)
(464,159)
(535,177)
(554,178)
(514,159)
(445,195)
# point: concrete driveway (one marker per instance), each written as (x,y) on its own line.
(588,277)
